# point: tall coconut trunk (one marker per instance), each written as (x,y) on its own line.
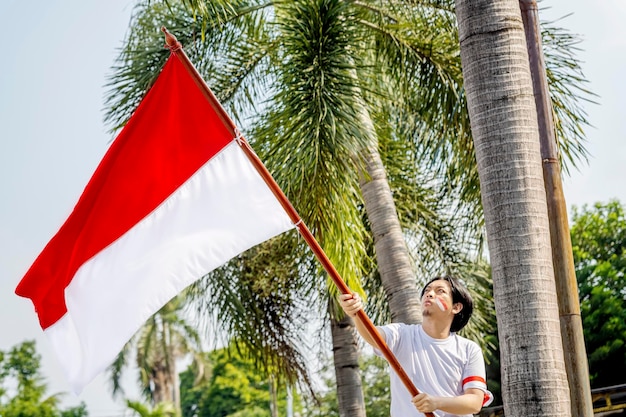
(160,386)
(392,255)
(273,397)
(394,267)
(504,126)
(347,374)
(177,394)
(174,384)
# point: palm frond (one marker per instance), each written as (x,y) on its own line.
(568,91)
(254,300)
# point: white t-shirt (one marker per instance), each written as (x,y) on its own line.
(439,367)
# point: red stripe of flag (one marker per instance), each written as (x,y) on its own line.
(134,177)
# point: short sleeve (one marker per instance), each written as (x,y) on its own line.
(474,375)
(392,336)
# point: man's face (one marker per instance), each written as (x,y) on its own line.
(437,299)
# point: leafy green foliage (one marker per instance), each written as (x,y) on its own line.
(79,411)
(599,246)
(163,409)
(262,299)
(232,388)
(376,388)
(165,338)
(568,90)
(22,388)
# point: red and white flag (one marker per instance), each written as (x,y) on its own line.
(173,198)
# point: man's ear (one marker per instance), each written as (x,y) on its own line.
(457,307)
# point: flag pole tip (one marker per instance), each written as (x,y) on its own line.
(170,40)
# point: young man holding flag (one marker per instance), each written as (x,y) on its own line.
(447,369)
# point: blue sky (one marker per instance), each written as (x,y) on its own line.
(53,70)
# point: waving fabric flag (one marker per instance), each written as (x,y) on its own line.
(173,198)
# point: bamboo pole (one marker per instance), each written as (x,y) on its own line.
(176,48)
(562,255)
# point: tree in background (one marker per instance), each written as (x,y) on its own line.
(376,390)
(165,338)
(232,387)
(260,301)
(23,390)
(332,116)
(599,245)
(328,96)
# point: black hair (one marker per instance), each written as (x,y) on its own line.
(460,294)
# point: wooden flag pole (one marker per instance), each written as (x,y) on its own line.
(575,355)
(176,48)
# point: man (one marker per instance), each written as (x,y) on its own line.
(448,370)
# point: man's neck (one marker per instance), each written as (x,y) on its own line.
(436,329)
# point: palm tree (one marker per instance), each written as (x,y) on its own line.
(165,338)
(341,146)
(256,302)
(329,122)
(504,126)
(242,59)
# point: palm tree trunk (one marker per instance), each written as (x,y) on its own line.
(160,388)
(170,361)
(504,125)
(346,359)
(394,266)
(176,388)
(392,255)
(273,397)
